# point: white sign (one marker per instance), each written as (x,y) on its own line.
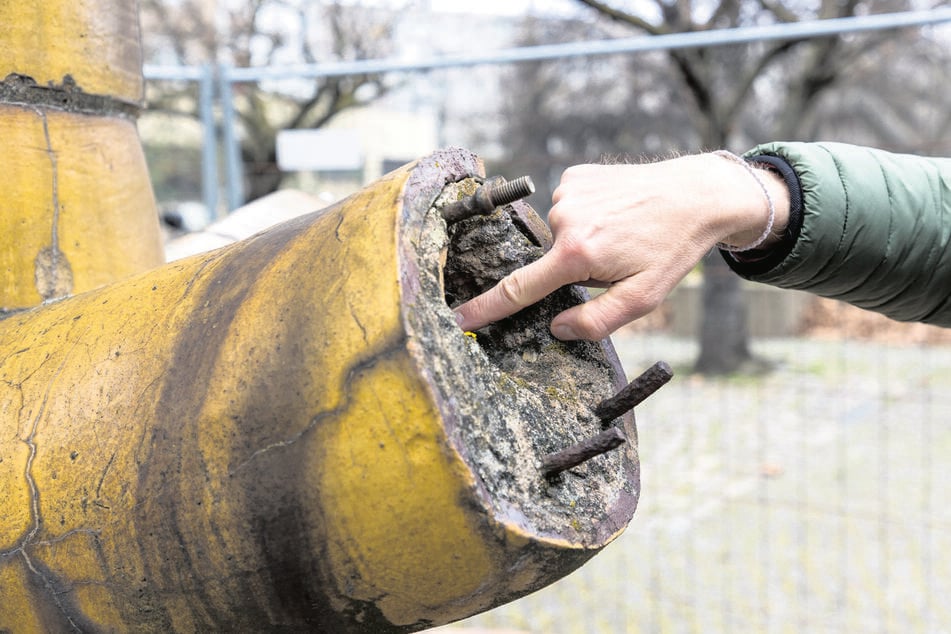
(319,150)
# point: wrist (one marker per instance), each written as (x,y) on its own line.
(754,201)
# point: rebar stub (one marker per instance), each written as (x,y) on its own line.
(555,463)
(649,381)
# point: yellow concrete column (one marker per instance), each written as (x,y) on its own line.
(76,205)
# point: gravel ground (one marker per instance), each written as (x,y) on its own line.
(808,498)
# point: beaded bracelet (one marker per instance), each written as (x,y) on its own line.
(769,202)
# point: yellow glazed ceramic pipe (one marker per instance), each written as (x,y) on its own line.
(291,434)
(76,209)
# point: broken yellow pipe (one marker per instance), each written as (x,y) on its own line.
(292,433)
(77,205)
(289,433)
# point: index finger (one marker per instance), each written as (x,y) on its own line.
(517,290)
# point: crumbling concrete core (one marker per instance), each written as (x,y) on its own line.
(534,394)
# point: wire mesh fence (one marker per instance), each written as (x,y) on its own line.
(805,498)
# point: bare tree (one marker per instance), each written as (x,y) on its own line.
(561,112)
(842,87)
(264,32)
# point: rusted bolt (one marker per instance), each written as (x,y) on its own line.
(509,191)
(491,194)
(635,392)
(555,463)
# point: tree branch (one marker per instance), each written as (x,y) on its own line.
(745,85)
(625,18)
(779,10)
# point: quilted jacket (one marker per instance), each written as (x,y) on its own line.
(868,227)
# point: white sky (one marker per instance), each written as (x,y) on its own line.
(487,7)
(505,7)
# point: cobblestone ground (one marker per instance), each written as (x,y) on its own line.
(810,498)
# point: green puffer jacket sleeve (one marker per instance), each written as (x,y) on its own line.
(876,230)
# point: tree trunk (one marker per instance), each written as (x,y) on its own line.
(724,335)
(724,332)
(262,178)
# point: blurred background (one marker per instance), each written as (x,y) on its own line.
(794,470)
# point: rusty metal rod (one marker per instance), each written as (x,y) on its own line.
(507,192)
(491,194)
(555,463)
(635,392)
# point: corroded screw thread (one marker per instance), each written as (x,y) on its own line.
(487,197)
(635,392)
(509,192)
(555,463)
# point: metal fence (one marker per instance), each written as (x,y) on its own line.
(806,498)
(215,82)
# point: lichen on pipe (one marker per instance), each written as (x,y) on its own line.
(291,432)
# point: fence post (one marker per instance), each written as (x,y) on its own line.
(232,148)
(209,149)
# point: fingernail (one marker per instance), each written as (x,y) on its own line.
(459,318)
(561,331)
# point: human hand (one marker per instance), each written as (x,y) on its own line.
(636,230)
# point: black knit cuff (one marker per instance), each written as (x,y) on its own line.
(759,261)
